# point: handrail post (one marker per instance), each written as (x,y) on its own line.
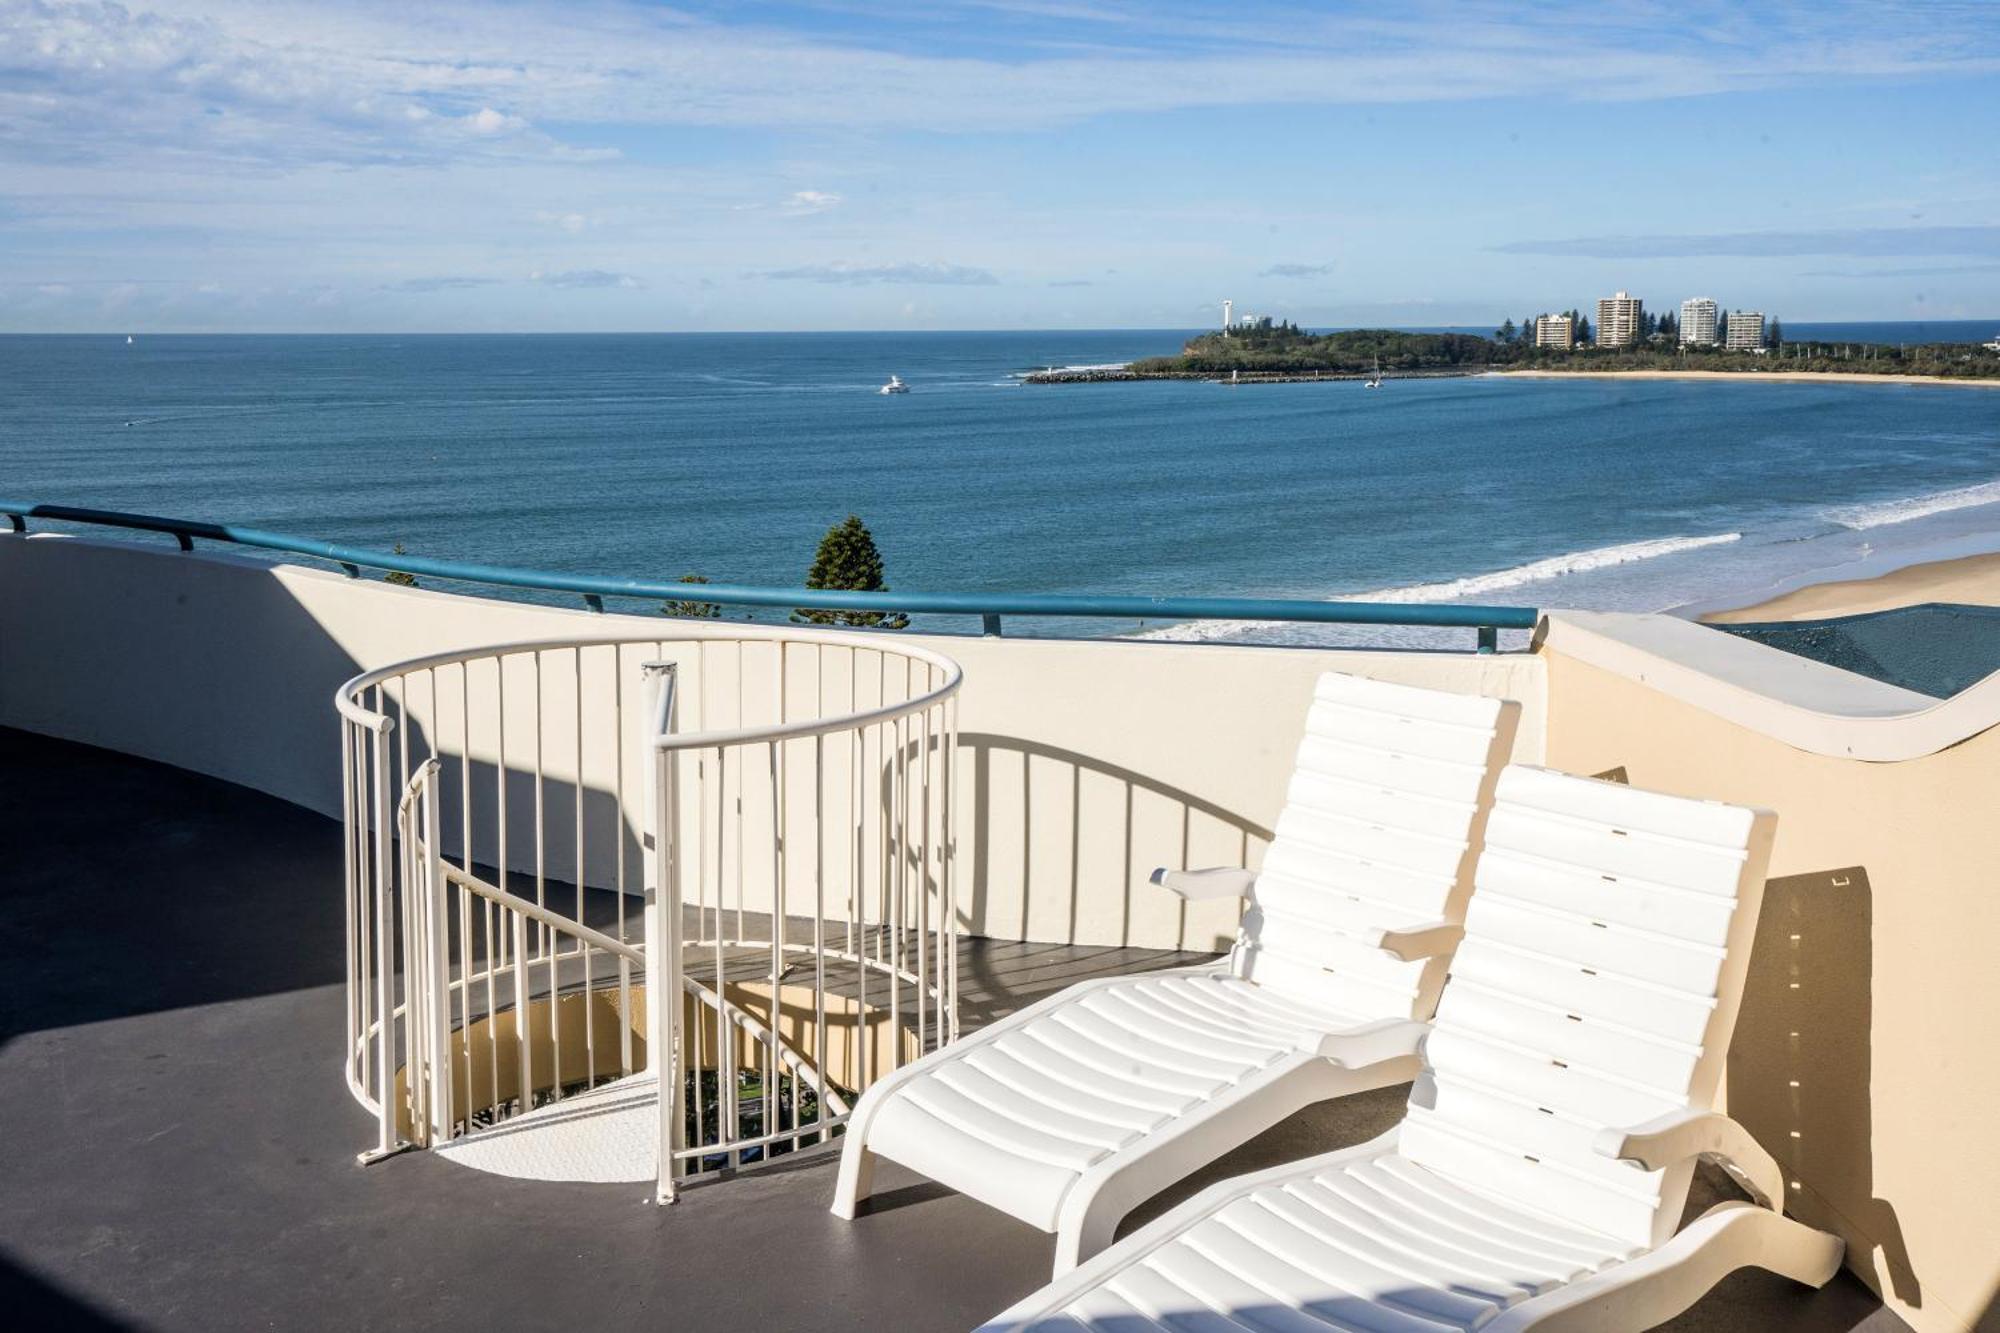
(1489,638)
(438,962)
(412,903)
(385,950)
(663,923)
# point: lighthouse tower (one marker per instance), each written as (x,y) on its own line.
(1225,312)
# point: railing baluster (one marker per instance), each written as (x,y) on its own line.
(577,789)
(545,937)
(625,1015)
(350,1054)
(385,949)
(523,1037)
(437,904)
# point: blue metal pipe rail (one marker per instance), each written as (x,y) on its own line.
(988,607)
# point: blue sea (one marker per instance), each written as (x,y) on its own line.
(729,455)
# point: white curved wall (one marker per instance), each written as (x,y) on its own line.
(1083,763)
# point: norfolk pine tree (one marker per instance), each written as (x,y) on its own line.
(848,561)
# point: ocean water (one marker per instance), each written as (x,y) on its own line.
(728,455)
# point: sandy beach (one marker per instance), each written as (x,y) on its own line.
(1789,376)
(1974,579)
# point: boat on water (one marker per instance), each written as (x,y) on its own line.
(128,340)
(895,385)
(1376,381)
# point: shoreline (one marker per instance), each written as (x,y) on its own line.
(1973,579)
(1125,375)
(1784,376)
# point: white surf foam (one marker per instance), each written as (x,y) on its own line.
(1865,516)
(1478,585)
(1554,567)
(1073,369)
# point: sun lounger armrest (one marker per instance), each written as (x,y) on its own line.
(1679,1135)
(1374,1043)
(1196,885)
(1411,943)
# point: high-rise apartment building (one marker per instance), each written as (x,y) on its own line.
(1746,330)
(1555,331)
(1698,322)
(1618,320)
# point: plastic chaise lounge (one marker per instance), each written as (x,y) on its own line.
(1073,1111)
(1567,1090)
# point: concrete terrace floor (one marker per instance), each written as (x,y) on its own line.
(178,1146)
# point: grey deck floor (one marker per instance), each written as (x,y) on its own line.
(176,1143)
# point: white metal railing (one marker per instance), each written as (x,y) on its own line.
(787,795)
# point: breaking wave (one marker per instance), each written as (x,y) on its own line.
(1864,516)
(1478,585)
(1555,566)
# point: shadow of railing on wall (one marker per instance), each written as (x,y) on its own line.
(1059,845)
(1801,1064)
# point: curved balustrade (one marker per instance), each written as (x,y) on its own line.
(524,821)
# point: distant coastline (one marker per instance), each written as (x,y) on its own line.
(1267,352)
(1788,376)
(1123,374)
(1133,371)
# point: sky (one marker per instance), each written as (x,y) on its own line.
(314,165)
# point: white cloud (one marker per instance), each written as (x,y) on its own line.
(928,274)
(487,121)
(357,143)
(583,278)
(292,80)
(1854,241)
(442,283)
(804,202)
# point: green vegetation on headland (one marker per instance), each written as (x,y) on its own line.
(1958,361)
(1273,352)
(1261,349)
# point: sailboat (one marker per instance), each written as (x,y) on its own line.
(895,385)
(128,340)
(1376,382)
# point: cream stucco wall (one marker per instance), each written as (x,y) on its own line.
(1083,763)
(1867,1055)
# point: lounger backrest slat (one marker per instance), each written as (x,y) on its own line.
(1390,784)
(1596,987)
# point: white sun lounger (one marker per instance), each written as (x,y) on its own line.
(1073,1111)
(1567,1090)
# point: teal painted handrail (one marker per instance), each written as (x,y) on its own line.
(988,606)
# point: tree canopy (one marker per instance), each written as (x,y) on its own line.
(849,561)
(692,610)
(1288,348)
